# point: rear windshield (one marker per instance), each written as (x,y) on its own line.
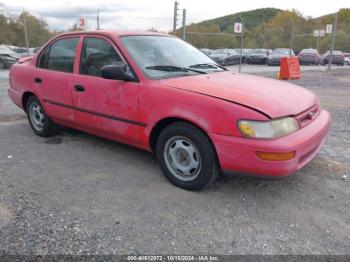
(337,53)
(308,51)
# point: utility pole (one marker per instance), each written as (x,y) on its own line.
(25,32)
(242,40)
(291,39)
(317,44)
(98,19)
(184,24)
(176,10)
(334,30)
(318,40)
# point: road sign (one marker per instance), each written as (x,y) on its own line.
(238,28)
(329,28)
(82,22)
(322,32)
(316,32)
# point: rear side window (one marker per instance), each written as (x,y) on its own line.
(60,55)
(95,54)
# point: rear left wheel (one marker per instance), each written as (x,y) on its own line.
(187,156)
(38,120)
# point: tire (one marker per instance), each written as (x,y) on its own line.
(2,65)
(40,123)
(186,143)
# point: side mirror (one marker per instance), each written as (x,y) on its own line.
(116,72)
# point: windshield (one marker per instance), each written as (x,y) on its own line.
(259,51)
(281,52)
(308,51)
(220,51)
(165,57)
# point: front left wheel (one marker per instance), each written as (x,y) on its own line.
(38,120)
(187,156)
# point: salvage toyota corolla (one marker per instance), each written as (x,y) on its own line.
(160,94)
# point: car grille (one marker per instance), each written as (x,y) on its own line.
(308,116)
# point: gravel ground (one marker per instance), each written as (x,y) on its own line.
(78,194)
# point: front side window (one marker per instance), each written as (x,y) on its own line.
(60,55)
(95,54)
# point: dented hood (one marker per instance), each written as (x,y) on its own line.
(272,97)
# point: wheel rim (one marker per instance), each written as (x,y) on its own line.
(37,116)
(182,158)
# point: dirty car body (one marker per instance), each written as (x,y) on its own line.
(160,94)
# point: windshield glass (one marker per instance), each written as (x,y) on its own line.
(281,52)
(220,51)
(308,51)
(258,51)
(158,56)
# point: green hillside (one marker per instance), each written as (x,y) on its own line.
(251,18)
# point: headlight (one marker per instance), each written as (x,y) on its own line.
(268,129)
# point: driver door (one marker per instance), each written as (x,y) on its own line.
(104,107)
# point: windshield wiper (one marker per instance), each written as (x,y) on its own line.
(170,68)
(213,65)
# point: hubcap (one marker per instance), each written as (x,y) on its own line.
(182,158)
(37,116)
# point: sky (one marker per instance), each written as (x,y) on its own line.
(158,14)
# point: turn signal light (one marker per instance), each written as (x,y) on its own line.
(275,156)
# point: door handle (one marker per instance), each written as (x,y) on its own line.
(79,88)
(37,80)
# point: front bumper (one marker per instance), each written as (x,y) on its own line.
(256,60)
(274,61)
(238,154)
(308,60)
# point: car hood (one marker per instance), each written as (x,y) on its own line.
(278,56)
(271,97)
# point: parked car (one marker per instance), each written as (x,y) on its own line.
(278,53)
(206,51)
(246,52)
(347,58)
(7,58)
(151,91)
(337,58)
(309,57)
(257,56)
(21,51)
(225,56)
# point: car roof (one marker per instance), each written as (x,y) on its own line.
(114,32)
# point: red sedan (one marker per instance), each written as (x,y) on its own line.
(160,94)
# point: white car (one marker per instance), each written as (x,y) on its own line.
(347,58)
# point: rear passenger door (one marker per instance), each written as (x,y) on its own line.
(53,78)
(102,106)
